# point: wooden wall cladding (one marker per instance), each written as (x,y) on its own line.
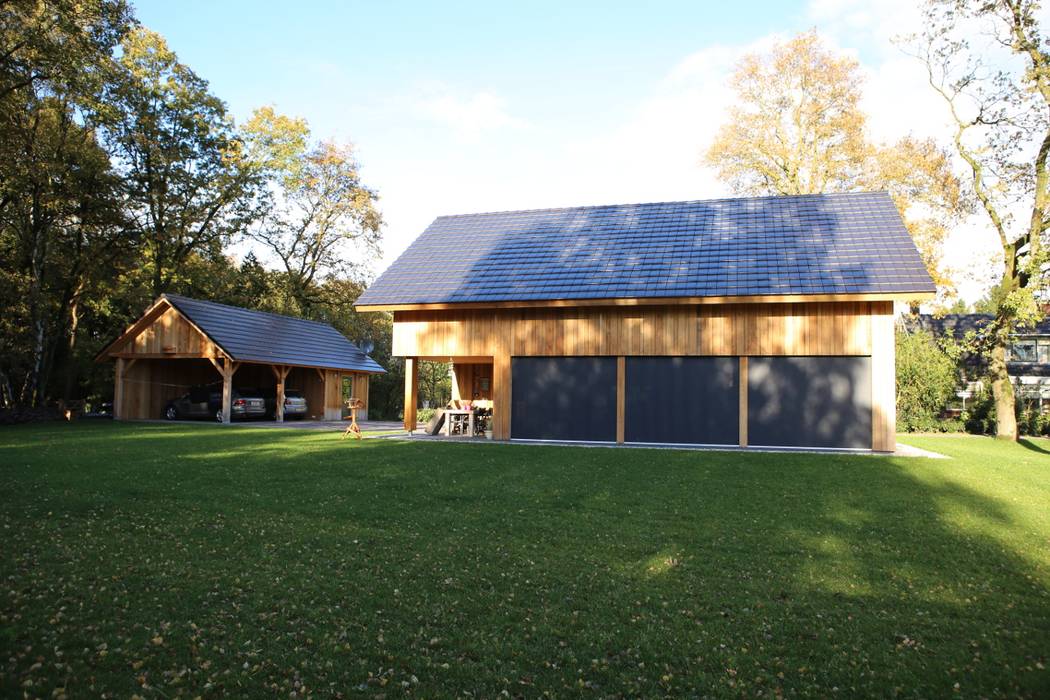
(171,334)
(471,381)
(734,330)
(148,385)
(820,328)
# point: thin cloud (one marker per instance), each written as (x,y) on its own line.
(469,117)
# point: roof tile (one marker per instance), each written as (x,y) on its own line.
(258,336)
(846,243)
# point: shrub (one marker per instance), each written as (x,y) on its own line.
(926,381)
(1030,421)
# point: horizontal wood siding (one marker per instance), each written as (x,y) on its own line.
(838,328)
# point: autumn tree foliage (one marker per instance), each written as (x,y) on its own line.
(319,219)
(798,128)
(122,176)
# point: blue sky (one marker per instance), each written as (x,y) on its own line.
(460,107)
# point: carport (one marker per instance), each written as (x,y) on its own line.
(180,342)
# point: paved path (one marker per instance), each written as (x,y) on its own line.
(397,433)
(902,450)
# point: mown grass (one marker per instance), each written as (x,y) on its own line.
(189,560)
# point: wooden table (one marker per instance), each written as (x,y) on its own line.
(449,412)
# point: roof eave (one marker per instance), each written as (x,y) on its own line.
(923,295)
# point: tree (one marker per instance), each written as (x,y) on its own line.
(189,188)
(59,200)
(60,231)
(435,383)
(998,100)
(926,379)
(60,46)
(798,129)
(321,220)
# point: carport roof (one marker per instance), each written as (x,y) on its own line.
(258,336)
(246,335)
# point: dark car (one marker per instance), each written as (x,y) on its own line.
(206,402)
(294,403)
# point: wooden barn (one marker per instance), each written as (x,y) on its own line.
(745,322)
(179,343)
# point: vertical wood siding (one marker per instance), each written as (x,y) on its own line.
(828,328)
(735,330)
(171,334)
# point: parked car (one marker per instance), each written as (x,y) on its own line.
(206,402)
(294,403)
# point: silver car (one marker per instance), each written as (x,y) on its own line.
(294,404)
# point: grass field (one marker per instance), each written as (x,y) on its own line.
(189,560)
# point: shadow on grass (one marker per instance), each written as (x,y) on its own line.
(642,572)
(1033,446)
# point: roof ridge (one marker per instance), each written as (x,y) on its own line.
(778,197)
(168,295)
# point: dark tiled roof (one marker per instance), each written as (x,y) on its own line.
(960,324)
(257,336)
(818,244)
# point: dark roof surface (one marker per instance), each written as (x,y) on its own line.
(817,244)
(960,324)
(258,336)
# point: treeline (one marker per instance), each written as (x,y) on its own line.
(123,176)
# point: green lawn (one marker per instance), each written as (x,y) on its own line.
(202,560)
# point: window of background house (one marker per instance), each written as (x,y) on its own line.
(1044,351)
(1023,351)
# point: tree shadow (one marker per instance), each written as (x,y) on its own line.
(1033,446)
(641,572)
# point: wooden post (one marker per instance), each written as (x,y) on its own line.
(621,397)
(118,390)
(227,392)
(411,392)
(743,401)
(883,378)
(456,373)
(279,408)
(281,373)
(501,395)
(226,369)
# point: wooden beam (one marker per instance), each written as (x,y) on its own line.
(411,392)
(621,397)
(163,355)
(649,301)
(743,401)
(457,359)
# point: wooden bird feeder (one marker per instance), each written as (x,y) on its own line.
(353,404)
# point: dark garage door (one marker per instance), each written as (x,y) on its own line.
(809,401)
(689,400)
(563,398)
